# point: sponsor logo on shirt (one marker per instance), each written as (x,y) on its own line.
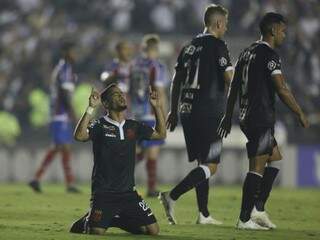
(110,128)
(110,135)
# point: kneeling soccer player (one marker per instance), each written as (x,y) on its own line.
(114,201)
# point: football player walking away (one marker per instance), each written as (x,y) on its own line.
(203,71)
(258,77)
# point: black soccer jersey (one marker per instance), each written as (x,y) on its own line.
(254,69)
(205,60)
(114,150)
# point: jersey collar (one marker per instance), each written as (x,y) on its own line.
(264,42)
(119,125)
(114,122)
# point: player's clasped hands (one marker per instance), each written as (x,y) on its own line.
(94,99)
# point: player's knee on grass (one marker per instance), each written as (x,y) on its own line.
(96,231)
(152,229)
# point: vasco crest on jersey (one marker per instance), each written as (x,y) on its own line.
(223,61)
(272,65)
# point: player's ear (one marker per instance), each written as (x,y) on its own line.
(273,31)
(218,23)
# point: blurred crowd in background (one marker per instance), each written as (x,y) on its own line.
(30,31)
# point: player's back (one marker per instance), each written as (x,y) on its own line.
(254,69)
(62,79)
(205,60)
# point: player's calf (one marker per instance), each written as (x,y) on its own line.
(96,231)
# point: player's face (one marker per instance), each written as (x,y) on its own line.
(223,26)
(153,52)
(117,100)
(279,34)
(125,52)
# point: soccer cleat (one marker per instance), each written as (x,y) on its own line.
(168,204)
(73,189)
(79,225)
(262,218)
(153,194)
(207,220)
(35,185)
(249,225)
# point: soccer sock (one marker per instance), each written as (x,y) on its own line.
(270,174)
(66,157)
(250,192)
(45,163)
(151,167)
(195,177)
(202,191)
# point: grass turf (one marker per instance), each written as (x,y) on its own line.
(25,215)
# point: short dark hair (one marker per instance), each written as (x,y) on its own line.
(150,40)
(120,44)
(268,20)
(105,94)
(66,44)
(211,10)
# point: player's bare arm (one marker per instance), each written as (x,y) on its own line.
(288,99)
(81,132)
(172,118)
(162,96)
(160,128)
(225,124)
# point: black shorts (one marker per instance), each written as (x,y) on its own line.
(261,140)
(202,140)
(128,206)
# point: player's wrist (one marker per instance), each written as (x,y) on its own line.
(90,110)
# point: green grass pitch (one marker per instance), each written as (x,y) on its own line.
(25,215)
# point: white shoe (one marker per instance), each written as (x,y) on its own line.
(168,204)
(249,225)
(207,220)
(262,218)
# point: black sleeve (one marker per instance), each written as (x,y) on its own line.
(223,55)
(273,64)
(180,64)
(144,131)
(236,80)
(94,130)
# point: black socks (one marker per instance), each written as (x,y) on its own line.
(270,173)
(250,192)
(195,177)
(202,191)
